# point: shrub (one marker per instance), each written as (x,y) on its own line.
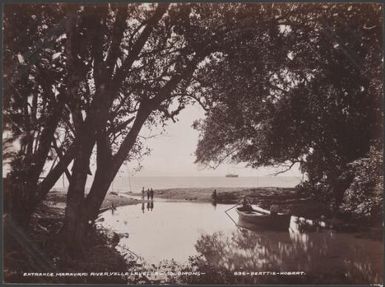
(364,197)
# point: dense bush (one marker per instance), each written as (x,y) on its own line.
(364,197)
(360,186)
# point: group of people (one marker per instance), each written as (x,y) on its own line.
(150,194)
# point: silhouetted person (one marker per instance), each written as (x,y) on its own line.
(274,209)
(142,193)
(151,194)
(148,194)
(214,195)
(246,206)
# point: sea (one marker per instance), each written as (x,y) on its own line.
(136,183)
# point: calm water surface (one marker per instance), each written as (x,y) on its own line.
(178,230)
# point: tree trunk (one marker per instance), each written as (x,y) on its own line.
(52,177)
(75,223)
(16,202)
(109,166)
(100,186)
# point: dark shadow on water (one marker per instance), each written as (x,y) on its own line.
(319,257)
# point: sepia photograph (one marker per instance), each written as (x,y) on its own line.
(193,143)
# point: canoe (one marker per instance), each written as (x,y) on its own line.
(261,218)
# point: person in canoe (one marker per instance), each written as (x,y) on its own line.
(246,205)
(274,209)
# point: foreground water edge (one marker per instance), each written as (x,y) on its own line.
(186,237)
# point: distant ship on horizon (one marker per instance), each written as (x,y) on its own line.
(232,175)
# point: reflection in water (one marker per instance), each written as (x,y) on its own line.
(322,257)
(149,206)
(218,248)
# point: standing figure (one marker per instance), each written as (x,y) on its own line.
(152,194)
(113,208)
(142,193)
(214,195)
(148,194)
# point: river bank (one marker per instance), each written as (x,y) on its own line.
(40,249)
(58,198)
(287,199)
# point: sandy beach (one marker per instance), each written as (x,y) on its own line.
(286,198)
(58,198)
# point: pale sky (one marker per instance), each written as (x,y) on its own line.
(172,153)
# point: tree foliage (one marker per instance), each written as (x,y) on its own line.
(364,196)
(308,92)
(34,98)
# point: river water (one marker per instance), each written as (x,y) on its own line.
(165,230)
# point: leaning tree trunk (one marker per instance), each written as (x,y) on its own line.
(74,225)
(108,166)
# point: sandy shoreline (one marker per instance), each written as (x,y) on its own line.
(286,198)
(58,198)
